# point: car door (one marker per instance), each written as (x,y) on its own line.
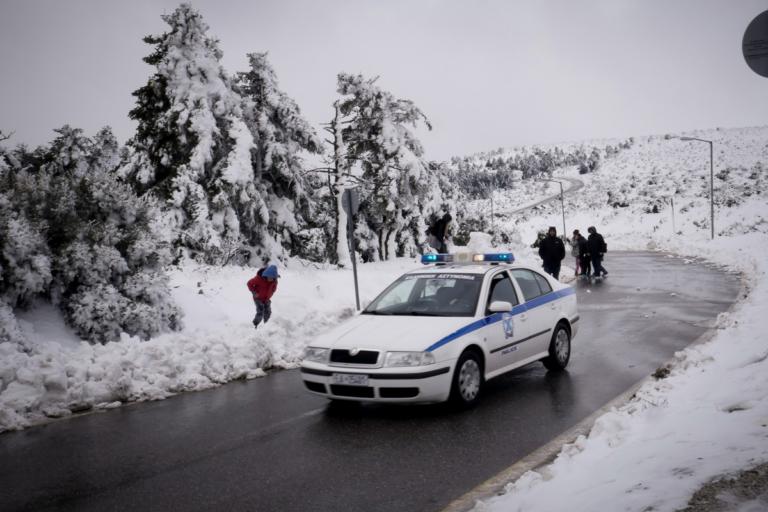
(535,289)
(505,330)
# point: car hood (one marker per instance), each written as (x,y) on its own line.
(391,332)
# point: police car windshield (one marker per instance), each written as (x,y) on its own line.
(429,295)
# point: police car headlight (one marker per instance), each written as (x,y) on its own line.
(409,359)
(316,354)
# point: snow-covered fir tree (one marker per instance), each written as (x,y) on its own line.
(378,138)
(282,135)
(25,261)
(192,148)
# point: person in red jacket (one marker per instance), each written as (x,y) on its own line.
(262,286)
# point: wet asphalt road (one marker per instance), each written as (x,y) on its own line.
(267,445)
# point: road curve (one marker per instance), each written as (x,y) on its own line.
(575,185)
(267,445)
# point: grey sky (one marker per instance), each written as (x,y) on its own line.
(487,73)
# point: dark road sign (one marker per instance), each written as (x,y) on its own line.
(755,44)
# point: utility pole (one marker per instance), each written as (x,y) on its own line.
(711,180)
(493,229)
(672,199)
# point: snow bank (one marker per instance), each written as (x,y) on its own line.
(57,376)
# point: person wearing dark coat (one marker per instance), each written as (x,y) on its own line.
(552,252)
(584,256)
(439,230)
(597,249)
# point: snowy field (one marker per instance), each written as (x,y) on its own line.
(708,417)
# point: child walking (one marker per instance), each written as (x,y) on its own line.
(262,286)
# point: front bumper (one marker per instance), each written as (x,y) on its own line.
(420,384)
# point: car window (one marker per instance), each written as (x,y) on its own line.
(429,294)
(544,285)
(502,289)
(399,294)
(526,280)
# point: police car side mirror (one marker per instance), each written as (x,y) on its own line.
(500,306)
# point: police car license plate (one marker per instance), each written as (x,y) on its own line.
(350,379)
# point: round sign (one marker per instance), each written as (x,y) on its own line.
(755,44)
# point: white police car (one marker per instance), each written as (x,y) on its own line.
(439,332)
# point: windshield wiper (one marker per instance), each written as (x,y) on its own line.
(366,312)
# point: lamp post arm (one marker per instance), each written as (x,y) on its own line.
(562,202)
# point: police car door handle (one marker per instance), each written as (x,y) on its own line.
(523,317)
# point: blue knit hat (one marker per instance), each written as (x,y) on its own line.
(270,271)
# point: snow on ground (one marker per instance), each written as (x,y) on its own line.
(709,417)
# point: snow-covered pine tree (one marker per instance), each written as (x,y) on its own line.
(105,153)
(25,261)
(282,135)
(192,148)
(377,136)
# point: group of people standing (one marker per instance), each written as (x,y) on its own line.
(587,252)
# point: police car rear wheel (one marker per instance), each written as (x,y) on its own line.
(559,349)
(467,379)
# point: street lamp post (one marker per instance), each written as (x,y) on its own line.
(492,214)
(711,181)
(562,203)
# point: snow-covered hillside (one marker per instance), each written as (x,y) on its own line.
(621,196)
(708,417)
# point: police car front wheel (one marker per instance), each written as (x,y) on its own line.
(467,379)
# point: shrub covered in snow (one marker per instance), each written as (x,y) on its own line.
(72,233)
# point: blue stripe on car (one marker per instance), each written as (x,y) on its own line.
(496,317)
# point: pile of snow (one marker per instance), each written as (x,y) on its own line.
(59,374)
(709,417)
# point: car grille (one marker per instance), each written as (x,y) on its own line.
(351,391)
(317,387)
(398,392)
(342,356)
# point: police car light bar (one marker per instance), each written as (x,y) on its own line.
(497,257)
(436,258)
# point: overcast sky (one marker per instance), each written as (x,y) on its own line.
(487,73)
